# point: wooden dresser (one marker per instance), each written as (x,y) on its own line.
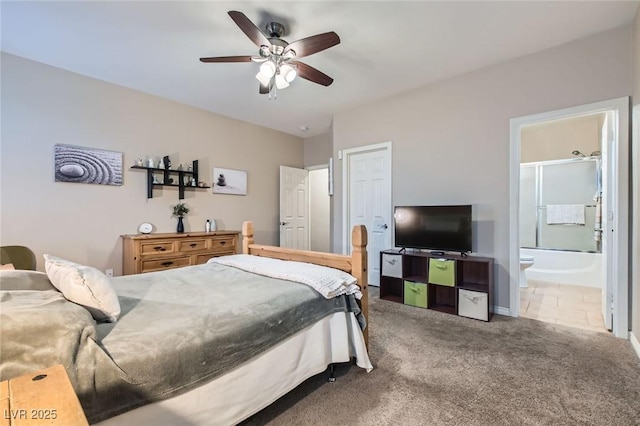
(157,252)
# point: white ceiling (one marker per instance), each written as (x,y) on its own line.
(387,47)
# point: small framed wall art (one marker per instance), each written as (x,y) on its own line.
(228,181)
(87,165)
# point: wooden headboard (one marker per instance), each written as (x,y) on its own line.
(355,264)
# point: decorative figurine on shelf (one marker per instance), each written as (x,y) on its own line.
(180,210)
(139,163)
(161,164)
(221,180)
(155,180)
(190,168)
(193,181)
(180,167)
(150,163)
(167,162)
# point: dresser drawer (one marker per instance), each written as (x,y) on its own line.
(223,244)
(192,245)
(162,264)
(148,248)
(157,252)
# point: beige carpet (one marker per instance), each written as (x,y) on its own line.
(438,369)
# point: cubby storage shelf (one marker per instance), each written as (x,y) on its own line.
(472,277)
(166,175)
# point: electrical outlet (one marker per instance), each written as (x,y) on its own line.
(109,272)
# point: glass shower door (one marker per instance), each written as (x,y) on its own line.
(573,182)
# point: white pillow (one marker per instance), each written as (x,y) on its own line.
(85,286)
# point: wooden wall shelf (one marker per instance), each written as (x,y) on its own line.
(168,174)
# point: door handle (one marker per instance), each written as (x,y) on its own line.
(284,223)
(383,226)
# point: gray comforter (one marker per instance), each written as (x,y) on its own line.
(177,330)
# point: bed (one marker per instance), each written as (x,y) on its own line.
(205,344)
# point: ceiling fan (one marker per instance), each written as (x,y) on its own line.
(277,57)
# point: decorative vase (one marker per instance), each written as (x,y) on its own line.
(180,225)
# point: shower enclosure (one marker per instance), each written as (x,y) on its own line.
(560,220)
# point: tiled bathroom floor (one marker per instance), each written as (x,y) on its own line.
(571,305)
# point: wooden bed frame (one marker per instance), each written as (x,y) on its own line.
(355,264)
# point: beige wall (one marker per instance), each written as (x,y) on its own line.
(451,139)
(635,155)
(556,140)
(317,150)
(43,106)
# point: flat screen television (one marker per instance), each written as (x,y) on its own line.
(438,228)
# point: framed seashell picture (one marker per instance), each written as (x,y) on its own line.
(87,165)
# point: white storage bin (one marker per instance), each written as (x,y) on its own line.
(392,265)
(473,304)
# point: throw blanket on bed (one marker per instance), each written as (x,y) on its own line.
(328,282)
(177,329)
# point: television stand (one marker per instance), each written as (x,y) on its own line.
(405,278)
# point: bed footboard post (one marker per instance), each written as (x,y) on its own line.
(247,236)
(359,270)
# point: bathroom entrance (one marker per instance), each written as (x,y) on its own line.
(569,216)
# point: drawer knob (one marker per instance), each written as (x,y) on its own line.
(167,263)
(222,243)
(193,245)
(159,248)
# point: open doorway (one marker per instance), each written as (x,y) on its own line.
(554,217)
(305,208)
(562,192)
(319,209)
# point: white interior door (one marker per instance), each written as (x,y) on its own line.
(368,200)
(294,208)
(608,202)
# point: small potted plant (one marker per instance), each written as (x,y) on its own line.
(180,210)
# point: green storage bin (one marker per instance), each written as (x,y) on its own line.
(415,294)
(442,272)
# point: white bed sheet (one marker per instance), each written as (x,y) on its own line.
(256,384)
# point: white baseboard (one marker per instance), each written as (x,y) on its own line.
(634,343)
(501,311)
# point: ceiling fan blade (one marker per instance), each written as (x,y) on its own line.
(249,28)
(310,73)
(314,44)
(264,89)
(227,59)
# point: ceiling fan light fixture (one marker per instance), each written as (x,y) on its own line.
(263,79)
(281,83)
(288,72)
(268,69)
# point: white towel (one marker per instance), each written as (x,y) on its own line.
(558,214)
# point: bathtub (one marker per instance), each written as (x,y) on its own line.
(566,267)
